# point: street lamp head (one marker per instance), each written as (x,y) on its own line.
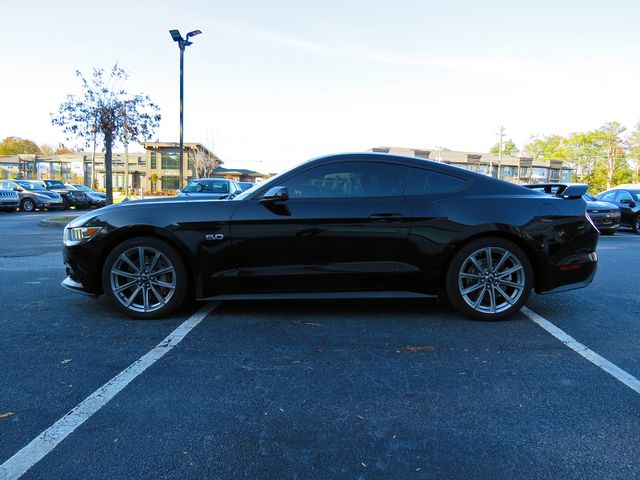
(193,34)
(175,34)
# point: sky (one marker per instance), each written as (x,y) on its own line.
(270,84)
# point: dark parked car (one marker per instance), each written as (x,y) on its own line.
(96,199)
(606,216)
(33,195)
(209,188)
(627,199)
(9,199)
(71,197)
(344,226)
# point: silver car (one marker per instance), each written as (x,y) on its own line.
(9,199)
(33,195)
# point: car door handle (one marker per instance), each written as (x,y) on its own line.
(385,217)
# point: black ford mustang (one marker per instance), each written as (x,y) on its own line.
(342,226)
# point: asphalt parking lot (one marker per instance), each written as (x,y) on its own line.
(332,389)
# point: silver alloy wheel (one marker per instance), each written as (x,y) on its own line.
(491,280)
(28,205)
(143,279)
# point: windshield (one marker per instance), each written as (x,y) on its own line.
(207,186)
(84,188)
(29,186)
(636,194)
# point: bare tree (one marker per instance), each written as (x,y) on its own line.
(103,108)
(204,163)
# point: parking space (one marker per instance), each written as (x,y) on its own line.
(333,389)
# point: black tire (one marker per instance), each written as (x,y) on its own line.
(117,273)
(65,204)
(27,205)
(509,264)
(636,224)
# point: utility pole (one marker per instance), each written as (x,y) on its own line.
(502,135)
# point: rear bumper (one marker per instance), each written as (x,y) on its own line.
(576,271)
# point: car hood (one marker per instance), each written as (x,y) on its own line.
(591,205)
(199,196)
(159,212)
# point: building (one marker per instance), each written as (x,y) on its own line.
(240,174)
(162,163)
(155,169)
(520,170)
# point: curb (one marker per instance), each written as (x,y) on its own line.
(53,223)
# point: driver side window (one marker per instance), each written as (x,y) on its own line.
(622,195)
(349,179)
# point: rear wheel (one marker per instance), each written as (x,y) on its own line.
(636,224)
(145,278)
(489,279)
(27,205)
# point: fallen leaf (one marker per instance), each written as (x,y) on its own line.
(359,417)
(65,361)
(7,414)
(300,322)
(416,348)
(319,350)
(363,464)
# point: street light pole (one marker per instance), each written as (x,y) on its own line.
(182,44)
(180,163)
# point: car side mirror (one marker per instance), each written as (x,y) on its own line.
(628,201)
(17,189)
(275,194)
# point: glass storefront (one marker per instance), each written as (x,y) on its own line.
(170,183)
(169,159)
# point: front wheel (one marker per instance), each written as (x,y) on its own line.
(636,224)
(27,205)
(489,279)
(145,278)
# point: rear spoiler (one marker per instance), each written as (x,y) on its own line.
(564,190)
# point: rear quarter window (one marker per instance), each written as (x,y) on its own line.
(428,182)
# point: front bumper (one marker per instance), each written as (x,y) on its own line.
(75,287)
(605,221)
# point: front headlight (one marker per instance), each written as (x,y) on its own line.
(76,235)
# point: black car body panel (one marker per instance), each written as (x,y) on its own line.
(72,196)
(627,199)
(96,199)
(605,215)
(400,242)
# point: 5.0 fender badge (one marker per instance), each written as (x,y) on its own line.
(214,236)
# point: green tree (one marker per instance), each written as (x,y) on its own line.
(508,148)
(16,146)
(634,151)
(546,147)
(104,107)
(613,147)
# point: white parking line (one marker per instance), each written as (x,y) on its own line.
(629,380)
(40,446)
